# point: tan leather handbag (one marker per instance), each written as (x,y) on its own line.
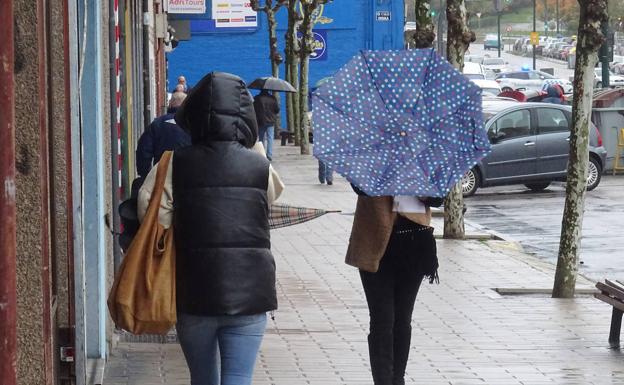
(143,297)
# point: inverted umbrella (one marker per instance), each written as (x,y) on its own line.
(282,215)
(399,123)
(272,84)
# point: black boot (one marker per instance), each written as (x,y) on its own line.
(402,340)
(381,357)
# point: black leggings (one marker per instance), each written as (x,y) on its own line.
(390,294)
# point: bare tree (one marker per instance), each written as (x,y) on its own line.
(274,56)
(458,40)
(292,70)
(590,38)
(305,50)
(424,35)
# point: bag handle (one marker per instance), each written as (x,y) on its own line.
(159,187)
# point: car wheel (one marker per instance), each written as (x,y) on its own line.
(537,186)
(506,89)
(599,85)
(470,182)
(594,173)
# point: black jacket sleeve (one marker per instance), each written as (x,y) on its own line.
(145,152)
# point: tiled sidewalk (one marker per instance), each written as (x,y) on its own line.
(464,332)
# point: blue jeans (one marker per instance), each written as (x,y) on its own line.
(266,135)
(232,340)
(325,173)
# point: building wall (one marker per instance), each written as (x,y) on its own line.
(246,53)
(352,27)
(31,197)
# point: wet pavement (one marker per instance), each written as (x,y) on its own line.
(534,220)
(464,331)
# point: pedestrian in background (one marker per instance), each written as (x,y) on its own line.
(217,196)
(163,134)
(182,82)
(554,94)
(392,244)
(267,110)
(325,173)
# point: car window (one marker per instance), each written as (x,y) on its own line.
(520,75)
(513,125)
(534,76)
(493,91)
(551,120)
(493,61)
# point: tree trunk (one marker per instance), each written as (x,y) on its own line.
(292,59)
(305,50)
(424,34)
(274,56)
(590,38)
(458,40)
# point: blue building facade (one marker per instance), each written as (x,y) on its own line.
(343,27)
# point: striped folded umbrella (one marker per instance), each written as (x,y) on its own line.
(282,215)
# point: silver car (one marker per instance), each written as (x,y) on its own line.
(530,146)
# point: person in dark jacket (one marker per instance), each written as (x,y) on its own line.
(217,196)
(163,134)
(554,94)
(267,111)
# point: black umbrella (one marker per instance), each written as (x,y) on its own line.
(272,84)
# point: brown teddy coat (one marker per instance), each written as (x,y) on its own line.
(372,227)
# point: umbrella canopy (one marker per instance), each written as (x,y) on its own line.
(272,84)
(399,123)
(282,215)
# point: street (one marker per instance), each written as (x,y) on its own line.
(516,62)
(534,220)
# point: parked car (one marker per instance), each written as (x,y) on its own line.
(473,70)
(491,41)
(561,54)
(566,51)
(617,66)
(530,80)
(530,146)
(614,80)
(473,59)
(488,87)
(495,64)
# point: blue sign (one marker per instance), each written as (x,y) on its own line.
(319,47)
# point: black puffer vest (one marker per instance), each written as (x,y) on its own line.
(224,261)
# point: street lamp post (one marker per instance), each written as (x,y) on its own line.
(534,28)
(557,14)
(498,14)
(478,20)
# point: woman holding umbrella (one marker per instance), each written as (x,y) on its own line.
(393,245)
(399,125)
(267,108)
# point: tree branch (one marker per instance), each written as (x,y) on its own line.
(255,5)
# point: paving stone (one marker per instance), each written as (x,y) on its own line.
(464,332)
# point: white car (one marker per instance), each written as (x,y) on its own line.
(473,70)
(614,80)
(531,80)
(489,87)
(495,64)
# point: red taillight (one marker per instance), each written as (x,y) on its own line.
(599,137)
(498,80)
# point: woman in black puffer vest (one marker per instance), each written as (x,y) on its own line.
(221,190)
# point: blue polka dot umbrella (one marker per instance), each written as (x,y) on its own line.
(399,123)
